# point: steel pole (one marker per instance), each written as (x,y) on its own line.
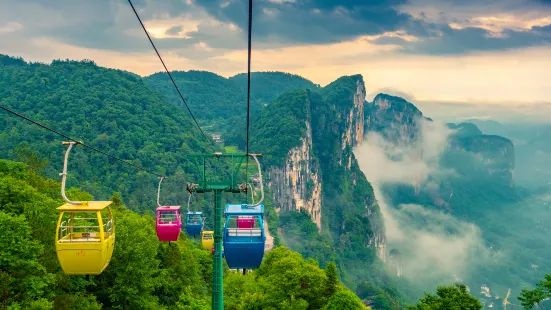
(218,275)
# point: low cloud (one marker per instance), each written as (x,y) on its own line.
(505,112)
(434,246)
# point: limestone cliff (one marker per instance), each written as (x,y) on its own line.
(296,184)
(349,210)
(394,118)
(307,138)
(354,127)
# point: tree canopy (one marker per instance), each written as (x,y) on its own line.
(452,297)
(143,273)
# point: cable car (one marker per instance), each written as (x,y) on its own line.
(207,239)
(85,234)
(168,223)
(168,219)
(194,223)
(85,237)
(244,247)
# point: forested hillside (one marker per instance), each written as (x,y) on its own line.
(221,103)
(109,109)
(143,273)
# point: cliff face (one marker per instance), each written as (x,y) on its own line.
(296,184)
(312,166)
(394,118)
(354,127)
(349,210)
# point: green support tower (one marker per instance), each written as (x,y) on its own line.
(218,188)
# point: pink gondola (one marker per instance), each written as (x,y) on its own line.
(168,223)
(245,222)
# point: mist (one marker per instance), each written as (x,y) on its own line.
(434,246)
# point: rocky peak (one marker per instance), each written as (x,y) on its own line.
(464,129)
(354,126)
(346,100)
(315,133)
(483,156)
(393,117)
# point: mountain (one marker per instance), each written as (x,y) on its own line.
(308,136)
(533,157)
(108,109)
(463,130)
(394,118)
(210,97)
(267,86)
(465,148)
(221,103)
(327,209)
(488,126)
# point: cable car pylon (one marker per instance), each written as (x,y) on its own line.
(218,188)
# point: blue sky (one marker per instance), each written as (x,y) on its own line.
(450,57)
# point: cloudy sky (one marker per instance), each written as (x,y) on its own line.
(452,58)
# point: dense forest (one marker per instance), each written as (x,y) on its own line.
(222,102)
(109,109)
(143,273)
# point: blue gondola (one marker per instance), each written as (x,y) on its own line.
(244,247)
(194,223)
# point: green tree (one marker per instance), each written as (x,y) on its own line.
(529,298)
(332,278)
(76,300)
(188,301)
(131,277)
(453,297)
(344,300)
(23,280)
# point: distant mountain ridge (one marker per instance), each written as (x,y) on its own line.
(221,103)
(532,150)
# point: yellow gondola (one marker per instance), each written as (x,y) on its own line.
(85,237)
(207,239)
(85,234)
